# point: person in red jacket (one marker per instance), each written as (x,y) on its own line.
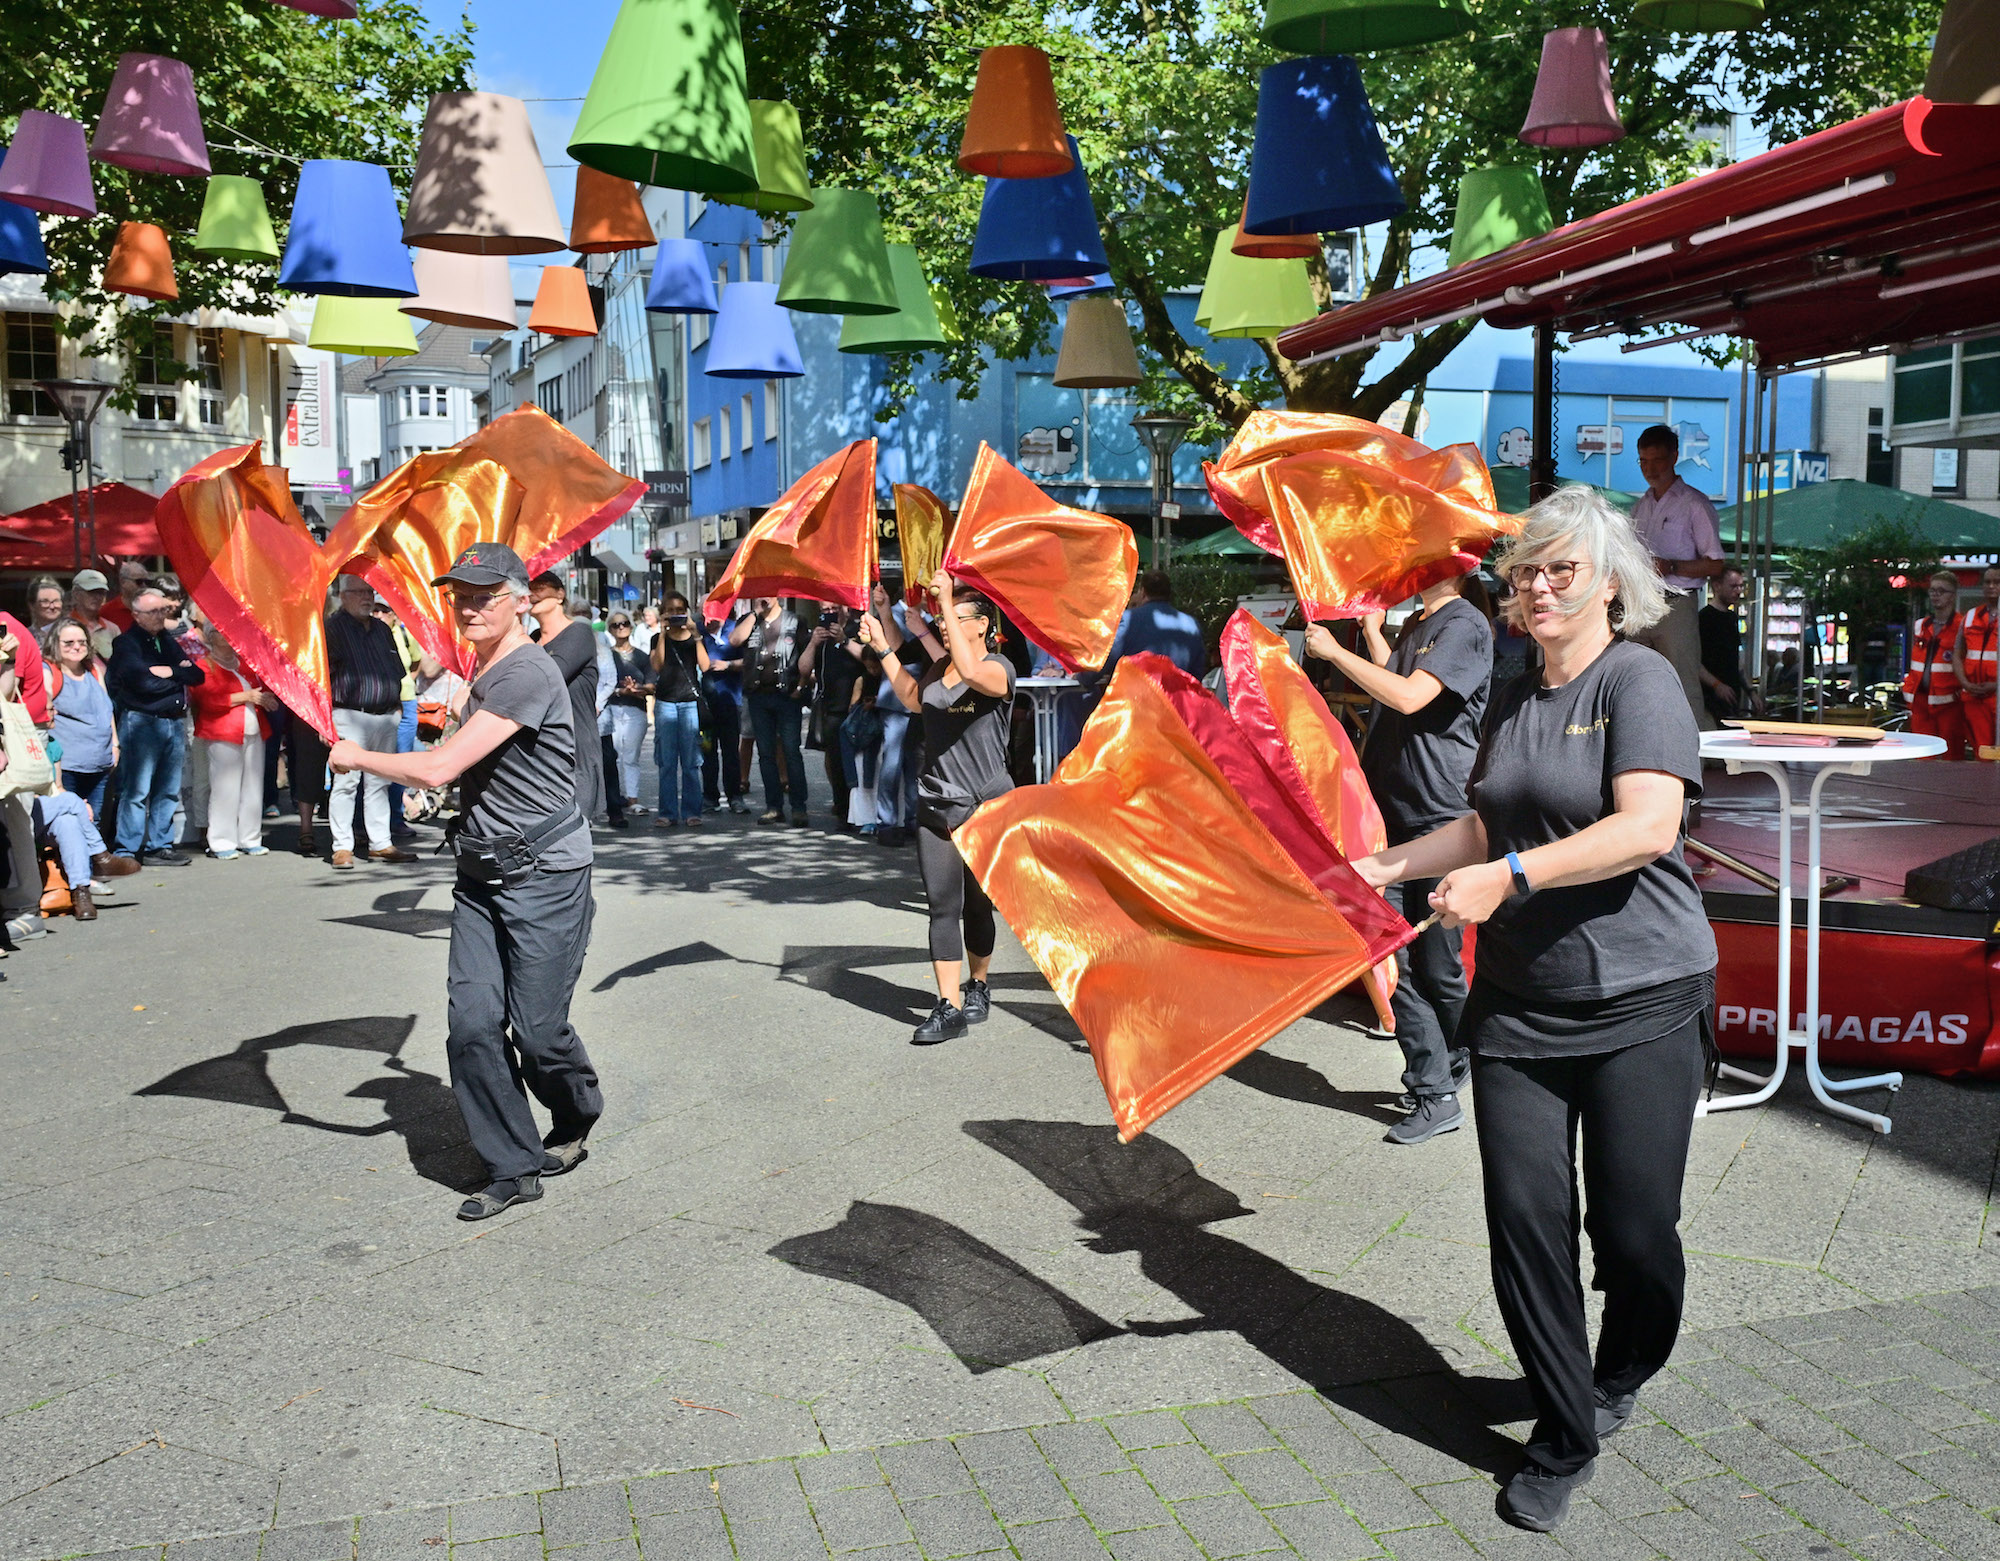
(1931,685)
(1976,660)
(231,724)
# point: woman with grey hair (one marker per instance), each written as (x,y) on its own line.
(1591,1003)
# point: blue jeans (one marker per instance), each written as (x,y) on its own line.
(775,720)
(65,822)
(89,785)
(151,750)
(896,782)
(406,742)
(677,751)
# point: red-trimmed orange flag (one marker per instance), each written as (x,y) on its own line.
(817,541)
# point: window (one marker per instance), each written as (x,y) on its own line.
(152,373)
(698,440)
(208,375)
(1881,458)
(423,401)
(31,355)
(409,401)
(549,397)
(746,425)
(722,427)
(770,409)
(1947,473)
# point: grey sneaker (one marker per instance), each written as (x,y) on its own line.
(1613,1410)
(1539,1501)
(1434,1114)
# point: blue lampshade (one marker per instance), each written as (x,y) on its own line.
(1318,163)
(681,283)
(1039,230)
(21,241)
(752,336)
(346,236)
(1084,287)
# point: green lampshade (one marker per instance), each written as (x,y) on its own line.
(1359,26)
(839,261)
(1247,297)
(781,161)
(367,327)
(667,105)
(1497,207)
(234,222)
(914,327)
(1698,16)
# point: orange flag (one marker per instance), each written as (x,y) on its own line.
(817,541)
(1364,518)
(923,529)
(1063,575)
(1181,923)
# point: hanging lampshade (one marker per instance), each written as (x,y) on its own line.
(480,187)
(1360,26)
(346,236)
(914,327)
(141,265)
(1039,230)
(234,222)
(1318,163)
(1246,298)
(752,336)
(1274,246)
(48,167)
(1079,286)
(151,123)
(781,161)
(839,261)
(1497,207)
(1698,16)
(1573,105)
(562,304)
(1965,63)
(21,247)
(366,327)
(335,10)
(606,215)
(1097,351)
(476,291)
(681,282)
(1013,128)
(667,105)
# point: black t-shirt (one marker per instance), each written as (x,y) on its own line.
(633,664)
(1722,645)
(965,734)
(678,680)
(574,651)
(1544,772)
(1417,764)
(838,673)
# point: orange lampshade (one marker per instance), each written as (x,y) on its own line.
(562,304)
(141,264)
(1276,246)
(1013,129)
(607,215)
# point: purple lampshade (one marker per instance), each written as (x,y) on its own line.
(48,167)
(151,122)
(1573,105)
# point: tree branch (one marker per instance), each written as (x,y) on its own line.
(1204,378)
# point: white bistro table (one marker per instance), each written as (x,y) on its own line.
(1043,693)
(1740,751)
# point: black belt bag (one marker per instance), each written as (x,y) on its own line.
(507,861)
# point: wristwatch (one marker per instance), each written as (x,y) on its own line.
(1521,884)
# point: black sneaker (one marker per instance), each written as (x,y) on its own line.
(799,819)
(167,858)
(1539,1501)
(501,1196)
(1613,1410)
(1408,1102)
(946,1023)
(1434,1114)
(977,1002)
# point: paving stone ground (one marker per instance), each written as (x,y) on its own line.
(817,1292)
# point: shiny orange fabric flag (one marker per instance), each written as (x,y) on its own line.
(1063,575)
(1176,928)
(1364,518)
(923,529)
(818,541)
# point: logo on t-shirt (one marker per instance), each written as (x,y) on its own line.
(1576,730)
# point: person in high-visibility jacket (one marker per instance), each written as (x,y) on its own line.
(1930,687)
(1975,659)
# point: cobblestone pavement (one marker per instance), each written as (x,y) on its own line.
(817,1292)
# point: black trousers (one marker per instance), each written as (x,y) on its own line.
(614,799)
(725,734)
(1635,1108)
(1429,995)
(515,957)
(830,717)
(955,898)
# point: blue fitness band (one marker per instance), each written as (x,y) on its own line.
(1521,884)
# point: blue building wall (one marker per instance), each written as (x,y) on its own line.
(734,478)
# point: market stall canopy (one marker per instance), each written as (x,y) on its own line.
(1821,513)
(125,529)
(1510,491)
(1876,235)
(1226,543)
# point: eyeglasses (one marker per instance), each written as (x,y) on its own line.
(477,601)
(1560,573)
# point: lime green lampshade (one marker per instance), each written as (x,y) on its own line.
(1698,16)
(1360,26)
(1497,207)
(781,161)
(839,260)
(667,105)
(367,327)
(234,222)
(914,327)
(1246,297)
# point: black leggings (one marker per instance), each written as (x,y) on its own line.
(1636,1110)
(955,896)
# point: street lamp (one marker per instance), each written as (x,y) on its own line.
(79,401)
(1163,433)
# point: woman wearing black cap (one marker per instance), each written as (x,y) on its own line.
(521,908)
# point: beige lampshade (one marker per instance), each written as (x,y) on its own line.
(1097,351)
(476,291)
(1965,64)
(480,188)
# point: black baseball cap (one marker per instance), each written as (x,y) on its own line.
(488,564)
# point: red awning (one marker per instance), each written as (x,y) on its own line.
(125,529)
(1878,234)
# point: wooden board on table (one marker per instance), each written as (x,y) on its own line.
(1837,734)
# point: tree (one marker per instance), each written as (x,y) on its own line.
(275,86)
(1161,96)
(1874,577)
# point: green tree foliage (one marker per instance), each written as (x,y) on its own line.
(1856,576)
(1207,588)
(1162,95)
(275,86)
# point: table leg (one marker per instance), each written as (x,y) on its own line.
(1046,734)
(1781,1029)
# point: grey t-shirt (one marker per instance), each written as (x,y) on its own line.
(1543,773)
(965,735)
(533,773)
(1417,764)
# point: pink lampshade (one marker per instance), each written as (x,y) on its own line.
(338,10)
(151,123)
(1573,105)
(48,167)
(476,291)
